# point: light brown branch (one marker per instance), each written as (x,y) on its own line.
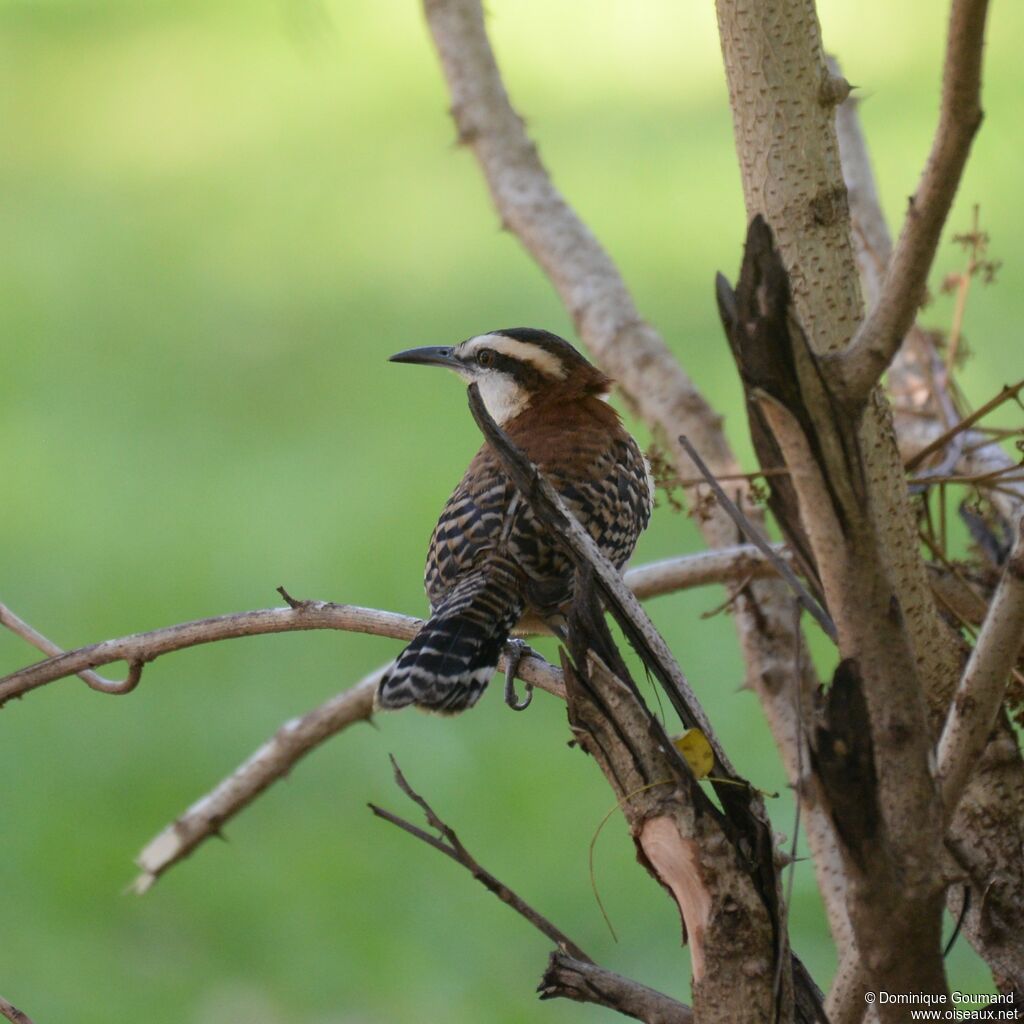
(275,758)
(145,647)
(41,643)
(720,565)
(272,761)
(12,1013)
(983,685)
(671,574)
(880,335)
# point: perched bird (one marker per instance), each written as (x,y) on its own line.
(489,559)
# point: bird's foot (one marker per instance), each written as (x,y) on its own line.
(515,651)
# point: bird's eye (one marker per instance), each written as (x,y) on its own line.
(485,357)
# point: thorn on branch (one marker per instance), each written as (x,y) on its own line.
(293,602)
(834,90)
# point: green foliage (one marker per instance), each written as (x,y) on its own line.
(218,220)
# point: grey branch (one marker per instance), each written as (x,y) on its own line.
(292,741)
(980,693)
(880,335)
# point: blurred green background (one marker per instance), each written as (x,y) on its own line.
(218,219)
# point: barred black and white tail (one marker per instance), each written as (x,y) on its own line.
(449,664)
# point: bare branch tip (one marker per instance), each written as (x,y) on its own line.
(294,603)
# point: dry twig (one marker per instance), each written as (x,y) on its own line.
(41,643)
(571,973)
(880,335)
(141,648)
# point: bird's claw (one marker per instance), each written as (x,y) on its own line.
(515,650)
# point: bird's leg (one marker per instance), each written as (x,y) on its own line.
(515,650)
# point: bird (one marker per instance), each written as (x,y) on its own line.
(490,560)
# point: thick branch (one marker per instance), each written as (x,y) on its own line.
(882,332)
(980,694)
(894,864)
(629,349)
(678,833)
(988,831)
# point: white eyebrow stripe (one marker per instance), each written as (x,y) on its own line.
(545,362)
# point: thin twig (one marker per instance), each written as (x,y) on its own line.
(451,846)
(881,333)
(754,536)
(981,689)
(603,987)
(1005,394)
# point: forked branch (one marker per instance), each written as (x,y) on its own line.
(571,973)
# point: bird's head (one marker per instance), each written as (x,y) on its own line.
(515,368)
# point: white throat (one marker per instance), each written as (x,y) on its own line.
(502,396)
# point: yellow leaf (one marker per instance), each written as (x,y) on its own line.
(696,751)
